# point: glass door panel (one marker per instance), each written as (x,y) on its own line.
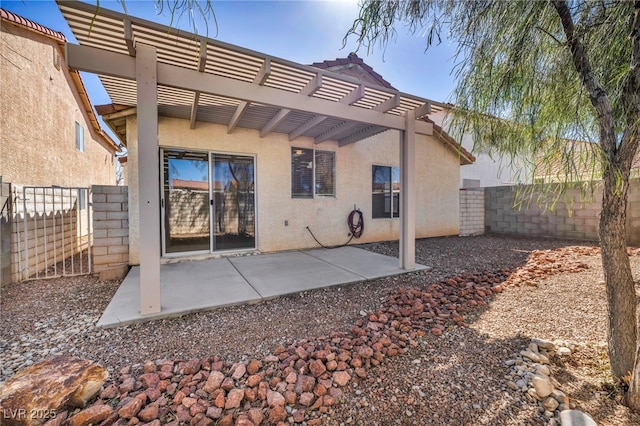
(233,202)
(187,210)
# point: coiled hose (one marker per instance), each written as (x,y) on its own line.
(355,222)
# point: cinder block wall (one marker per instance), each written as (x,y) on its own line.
(110,230)
(581,222)
(471,211)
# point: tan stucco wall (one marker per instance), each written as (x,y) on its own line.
(437,183)
(39,109)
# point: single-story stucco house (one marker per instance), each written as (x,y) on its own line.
(232,149)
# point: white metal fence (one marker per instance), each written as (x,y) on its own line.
(53,231)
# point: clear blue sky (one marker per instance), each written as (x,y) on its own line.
(300,31)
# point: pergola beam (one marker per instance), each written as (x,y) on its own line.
(128,37)
(99,61)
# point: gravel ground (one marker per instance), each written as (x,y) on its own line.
(457,378)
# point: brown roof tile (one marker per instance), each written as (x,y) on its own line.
(27,23)
(356,60)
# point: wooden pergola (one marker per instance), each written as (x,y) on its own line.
(163,71)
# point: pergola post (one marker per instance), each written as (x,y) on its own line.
(408,193)
(148,178)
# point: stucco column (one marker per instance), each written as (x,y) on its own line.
(148,178)
(408,193)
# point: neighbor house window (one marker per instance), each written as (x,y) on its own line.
(312,173)
(79,137)
(385,192)
(82,199)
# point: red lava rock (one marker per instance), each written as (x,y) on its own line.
(109,392)
(253,380)
(227,384)
(361,372)
(263,388)
(276,414)
(214,412)
(188,402)
(239,372)
(153,394)
(341,378)
(243,420)
(254,366)
(329,401)
(220,400)
(214,381)
(226,420)
(130,409)
(250,394)
(149,380)
(304,384)
(197,409)
(291,377)
(255,415)
(192,366)
(306,399)
(275,399)
(317,367)
(299,415)
(290,397)
(234,399)
(320,389)
(91,415)
(148,413)
(128,385)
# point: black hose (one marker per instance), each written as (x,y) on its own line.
(355,228)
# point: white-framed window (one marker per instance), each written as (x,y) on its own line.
(385,189)
(313,173)
(79,137)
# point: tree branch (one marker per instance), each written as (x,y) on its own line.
(597,94)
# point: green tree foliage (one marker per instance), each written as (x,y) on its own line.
(534,77)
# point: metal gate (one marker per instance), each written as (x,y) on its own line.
(53,231)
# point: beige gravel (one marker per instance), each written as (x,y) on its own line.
(456,379)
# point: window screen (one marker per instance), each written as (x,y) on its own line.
(325,172)
(385,192)
(312,173)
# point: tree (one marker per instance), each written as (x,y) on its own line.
(532,75)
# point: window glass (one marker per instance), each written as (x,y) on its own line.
(79,137)
(385,192)
(312,173)
(301,173)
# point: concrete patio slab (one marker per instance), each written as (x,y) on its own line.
(185,287)
(362,262)
(291,272)
(196,285)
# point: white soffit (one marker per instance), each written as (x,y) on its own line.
(115,32)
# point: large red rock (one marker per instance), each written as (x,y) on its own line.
(39,391)
(91,415)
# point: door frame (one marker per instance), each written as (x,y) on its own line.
(212,207)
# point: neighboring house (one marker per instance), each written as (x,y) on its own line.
(577,161)
(284,148)
(488,169)
(49,132)
(51,150)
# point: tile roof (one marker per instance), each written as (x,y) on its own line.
(27,23)
(352,59)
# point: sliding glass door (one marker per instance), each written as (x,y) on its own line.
(234,202)
(208,202)
(187,211)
